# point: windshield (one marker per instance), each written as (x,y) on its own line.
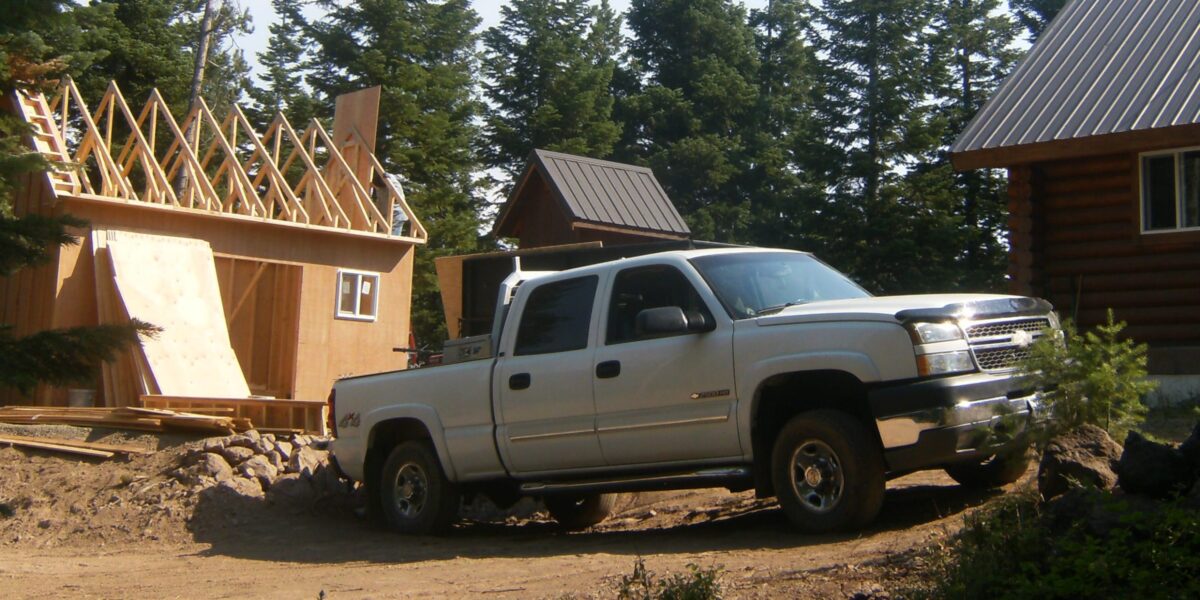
(750,284)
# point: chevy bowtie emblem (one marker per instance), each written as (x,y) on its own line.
(1022,338)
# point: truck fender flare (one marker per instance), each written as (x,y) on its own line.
(854,363)
(428,417)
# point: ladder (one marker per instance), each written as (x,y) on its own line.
(47,140)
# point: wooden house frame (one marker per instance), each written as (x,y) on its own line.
(1108,87)
(273,238)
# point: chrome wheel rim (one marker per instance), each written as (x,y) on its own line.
(816,475)
(409,490)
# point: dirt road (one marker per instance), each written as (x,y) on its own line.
(249,552)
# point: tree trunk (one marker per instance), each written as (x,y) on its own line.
(211,7)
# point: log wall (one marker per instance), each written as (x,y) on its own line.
(1075,240)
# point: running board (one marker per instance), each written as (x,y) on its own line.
(739,477)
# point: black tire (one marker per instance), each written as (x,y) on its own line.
(580,512)
(828,472)
(414,494)
(997,471)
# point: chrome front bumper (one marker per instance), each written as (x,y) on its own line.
(999,416)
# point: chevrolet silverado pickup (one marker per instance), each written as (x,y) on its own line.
(741,368)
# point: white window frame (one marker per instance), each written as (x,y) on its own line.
(357,277)
(1177,154)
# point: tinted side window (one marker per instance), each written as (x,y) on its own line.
(648,287)
(556,317)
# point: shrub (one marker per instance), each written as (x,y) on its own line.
(1105,547)
(1096,378)
(696,584)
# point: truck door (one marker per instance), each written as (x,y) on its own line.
(663,398)
(545,415)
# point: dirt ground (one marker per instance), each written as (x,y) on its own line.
(127,529)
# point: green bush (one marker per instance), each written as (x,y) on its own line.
(1096,378)
(696,584)
(1106,547)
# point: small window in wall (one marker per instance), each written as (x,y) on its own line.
(357,295)
(1171,190)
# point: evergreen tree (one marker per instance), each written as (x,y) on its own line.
(283,62)
(59,356)
(783,192)
(423,54)
(875,120)
(549,65)
(971,52)
(700,68)
(1035,15)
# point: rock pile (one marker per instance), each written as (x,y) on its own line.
(1160,470)
(293,470)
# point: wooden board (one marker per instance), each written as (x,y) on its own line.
(80,444)
(56,447)
(267,414)
(172,283)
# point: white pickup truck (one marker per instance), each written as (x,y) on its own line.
(740,368)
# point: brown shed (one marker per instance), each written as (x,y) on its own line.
(274,262)
(1099,128)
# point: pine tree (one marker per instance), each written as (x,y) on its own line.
(783,192)
(423,54)
(875,121)
(59,356)
(1035,15)
(699,64)
(283,63)
(549,66)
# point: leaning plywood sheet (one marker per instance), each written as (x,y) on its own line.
(172,283)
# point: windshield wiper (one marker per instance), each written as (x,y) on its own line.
(770,310)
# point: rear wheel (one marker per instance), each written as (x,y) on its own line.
(997,471)
(580,512)
(414,494)
(828,472)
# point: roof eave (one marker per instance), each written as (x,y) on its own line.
(1097,145)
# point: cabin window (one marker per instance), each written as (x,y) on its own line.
(357,295)
(1171,190)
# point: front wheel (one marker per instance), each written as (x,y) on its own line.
(580,512)
(997,471)
(828,472)
(415,495)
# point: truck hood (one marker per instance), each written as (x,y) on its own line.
(898,309)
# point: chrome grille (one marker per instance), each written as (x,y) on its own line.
(997,359)
(982,330)
(993,345)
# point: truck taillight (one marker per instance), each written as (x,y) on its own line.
(330,413)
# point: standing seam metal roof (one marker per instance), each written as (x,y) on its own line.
(1103,66)
(605,193)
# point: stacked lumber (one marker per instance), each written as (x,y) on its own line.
(126,417)
(92,449)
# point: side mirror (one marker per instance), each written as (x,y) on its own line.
(661,320)
(666,320)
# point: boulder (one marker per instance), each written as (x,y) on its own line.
(276,461)
(242,486)
(300,440)
(270,437)
(262,446)
(236,455)
(259,468)
(214,444)
(292,490)
(214,466)
(326,481)
(241,440)
(1085,456)
(253,435)
(305,461)
(284,449)
(1152,469)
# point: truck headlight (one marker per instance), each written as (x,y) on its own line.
(942,363)
(934,331)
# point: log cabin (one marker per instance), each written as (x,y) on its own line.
(1099,129)
(273,262)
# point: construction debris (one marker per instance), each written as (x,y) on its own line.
(72,446)
(127,417)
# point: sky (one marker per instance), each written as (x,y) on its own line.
(489,13)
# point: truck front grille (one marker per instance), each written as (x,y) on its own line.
(998,345)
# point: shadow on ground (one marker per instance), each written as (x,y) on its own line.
(249,528)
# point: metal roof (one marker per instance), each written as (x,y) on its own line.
(602,192)
(1102,67)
